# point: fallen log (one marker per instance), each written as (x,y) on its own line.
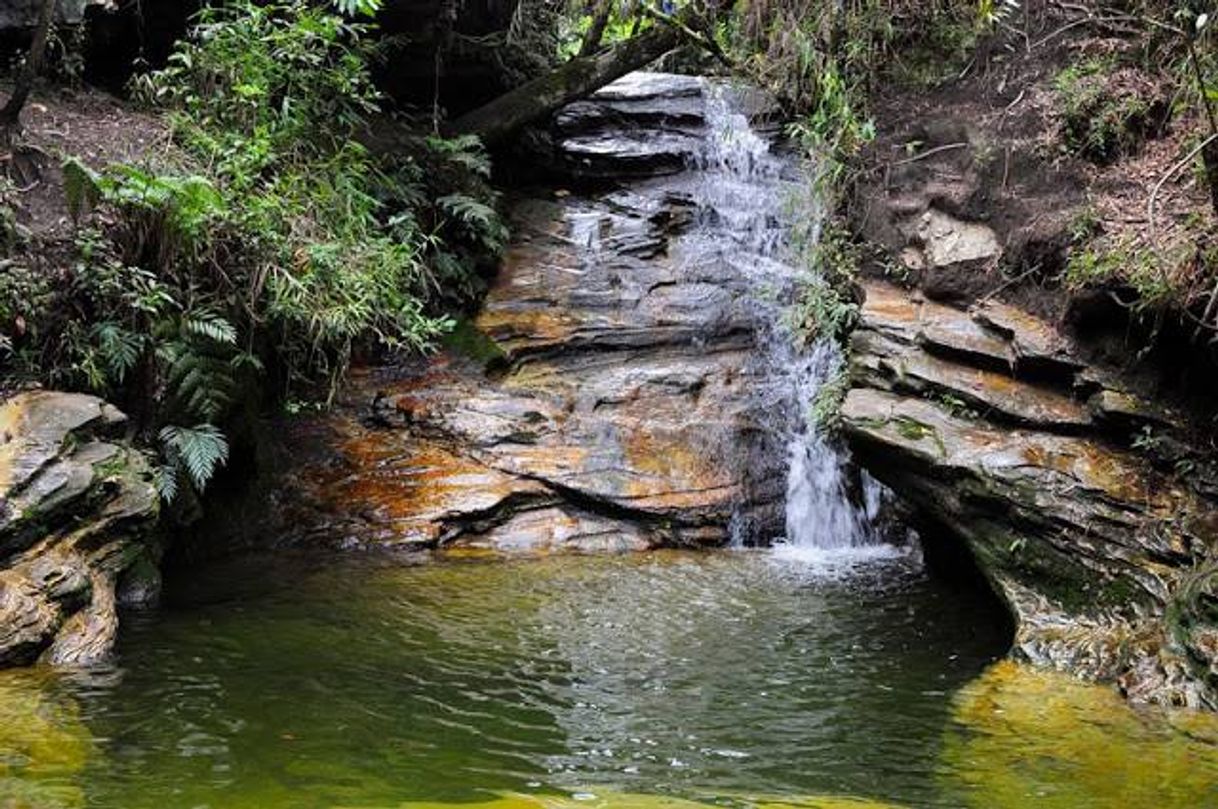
(505,115)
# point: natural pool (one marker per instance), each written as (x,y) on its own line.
(734,678)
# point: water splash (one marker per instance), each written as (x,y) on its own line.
(751,199)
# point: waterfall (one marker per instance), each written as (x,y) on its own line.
(749,201)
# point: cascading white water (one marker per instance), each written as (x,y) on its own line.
(750,200)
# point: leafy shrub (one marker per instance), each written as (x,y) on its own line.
(280,246)
(1107,111)
(1108,263)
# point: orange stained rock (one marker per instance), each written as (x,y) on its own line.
(1037,333)
(672,472)
(513,326)
(890,304)
(1105,470)
(414,485)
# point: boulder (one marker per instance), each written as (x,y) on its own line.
(76,510)
(988,422)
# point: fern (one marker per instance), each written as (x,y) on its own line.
(210,326)
(466,151)
(201,386)
(119,350)
(165,479)
(354,8)
(481,220)
(198,450)
(201,364)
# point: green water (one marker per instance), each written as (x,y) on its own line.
(341,682)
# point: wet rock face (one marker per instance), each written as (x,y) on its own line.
(75,513)
(989,422)
(615,406)
(643,125)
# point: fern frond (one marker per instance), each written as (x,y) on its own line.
(165,479)
(477,216)
(200,450)
(353,8)
(119,349)
(210,326)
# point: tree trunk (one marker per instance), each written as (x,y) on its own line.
(573,80)
(10,115)
(596,32)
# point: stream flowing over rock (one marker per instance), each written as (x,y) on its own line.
(624,386)
(76,511)
(991,423)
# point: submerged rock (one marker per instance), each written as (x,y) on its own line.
(75,512)
(610,799)
(989,422)
(1022,737)
(44,744)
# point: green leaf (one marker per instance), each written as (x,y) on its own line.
(200,450)
(120,349)
(210,326)
(354,8)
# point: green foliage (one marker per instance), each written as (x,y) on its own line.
(349,246)
(622,23)
(275,251)
(1105,263)
(825,411)
(992,13)
(11,232)
(198,451)
(1084,224)
(824,305)
(834,129)
(354,8)
(1102,118)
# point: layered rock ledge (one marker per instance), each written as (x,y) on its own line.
(993,426)
(606,396)
(76,512)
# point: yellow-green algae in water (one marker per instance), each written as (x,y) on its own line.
(608,799)
(1027,737)
(43,744)
(661,682)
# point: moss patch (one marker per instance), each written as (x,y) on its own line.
(469,341)
(1107,110)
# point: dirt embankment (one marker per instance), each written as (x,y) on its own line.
(1029,177)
